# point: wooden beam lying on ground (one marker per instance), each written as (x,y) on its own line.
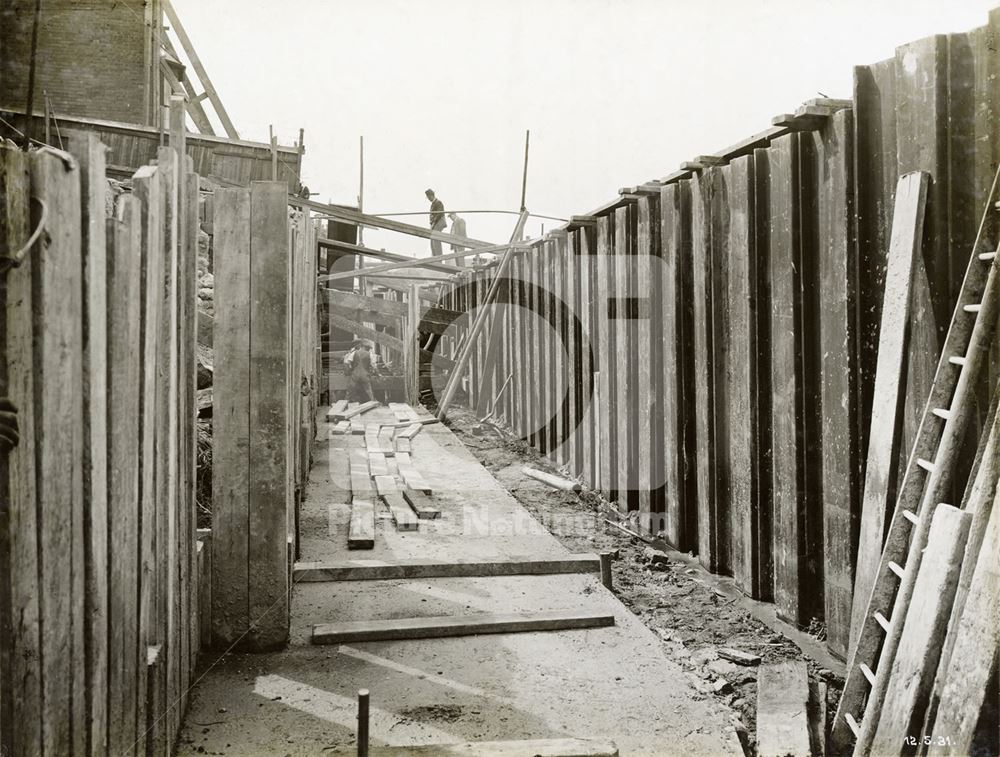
(529,748)
(466,625)
(421,504)
(404,518)
(413,478)
(373,570)
(361,532)
(411,429)
(555,482)
(782,704)
(363,408)
(337,410)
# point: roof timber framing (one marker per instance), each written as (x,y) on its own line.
(199,69)
(193,104)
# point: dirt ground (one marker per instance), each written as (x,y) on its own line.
(673,596)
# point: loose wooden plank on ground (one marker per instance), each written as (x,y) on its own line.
(413,478)
(410,431)
(361,531)
(385,444)
(358,410)
(402,516)
(337,410)
(782,704)
(377,464)
(372,570)
(422,505)
(530,748)
(441,627)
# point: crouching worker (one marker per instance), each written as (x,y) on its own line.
(360,367)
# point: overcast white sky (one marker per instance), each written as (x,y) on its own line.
(615,92)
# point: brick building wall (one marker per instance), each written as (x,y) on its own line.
(91,57)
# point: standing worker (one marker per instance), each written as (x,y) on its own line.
(458,230)
(359,367)
(437,220)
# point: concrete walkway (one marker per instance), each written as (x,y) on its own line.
(609,683)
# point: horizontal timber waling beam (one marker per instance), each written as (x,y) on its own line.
(377,222)
(464,625)
(364,332)
(354,301)
(421,262)
(374,570)
(392,257)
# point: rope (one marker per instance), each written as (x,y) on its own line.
(15,260)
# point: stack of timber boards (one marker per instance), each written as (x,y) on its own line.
(407,504)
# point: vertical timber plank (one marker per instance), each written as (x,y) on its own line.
(148,188)
(21,721)
(842,466)
(719,177)
(588,407)
(785,378)
(740,377)
(90,153)
(605,349)
(231,416)
(649,417)
(704,350)
(58,408)
(267,520)
(124,285)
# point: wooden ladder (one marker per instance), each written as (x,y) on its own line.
(927,480)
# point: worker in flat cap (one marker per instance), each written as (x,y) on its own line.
(437,219)
(359,365)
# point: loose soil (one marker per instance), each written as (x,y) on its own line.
(674,599)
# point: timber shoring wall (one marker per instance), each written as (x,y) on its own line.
(709,341)
(100,565)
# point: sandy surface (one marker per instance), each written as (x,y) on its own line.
(614,683)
